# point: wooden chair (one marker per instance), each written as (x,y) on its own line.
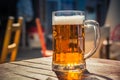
(44,51)
(11,48)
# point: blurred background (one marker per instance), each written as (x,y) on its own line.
(106,12)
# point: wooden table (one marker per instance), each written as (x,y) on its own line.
(40,69)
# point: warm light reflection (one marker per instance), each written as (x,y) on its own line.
(70,75)
(72,64)
(74,75)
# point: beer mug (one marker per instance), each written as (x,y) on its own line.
(69,42)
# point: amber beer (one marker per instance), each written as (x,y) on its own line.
(67,49)
(68,44)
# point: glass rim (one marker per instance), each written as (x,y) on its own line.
(62,11)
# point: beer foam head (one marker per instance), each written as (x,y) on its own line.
(62,20)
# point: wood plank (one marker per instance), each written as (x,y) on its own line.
(108,68)
(7,75)
(30,72)
(103,61)
(34,75)
(31,69)
(43,61)
(33,65)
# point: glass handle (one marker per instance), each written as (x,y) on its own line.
(95,25)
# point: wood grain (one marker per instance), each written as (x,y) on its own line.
(40,69)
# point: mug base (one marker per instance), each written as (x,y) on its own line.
(69,72)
